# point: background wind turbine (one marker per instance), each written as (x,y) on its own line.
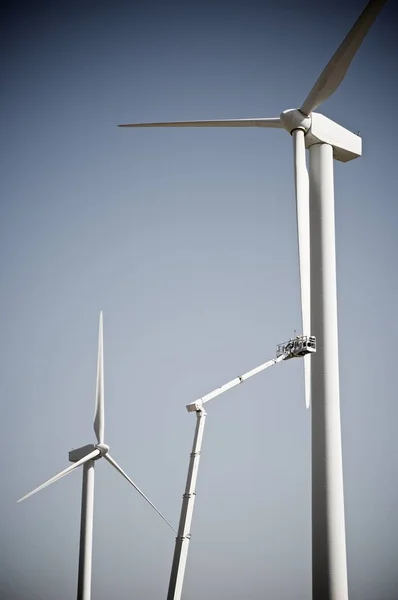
(86,457)
(316,238)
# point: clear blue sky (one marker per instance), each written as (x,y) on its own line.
(186,239)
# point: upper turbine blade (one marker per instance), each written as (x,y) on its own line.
(336,69)
(99,417)
(66,471)
(114,464)
(260,122)
(303,234)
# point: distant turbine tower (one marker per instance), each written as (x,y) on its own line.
(326,141)
(85,456)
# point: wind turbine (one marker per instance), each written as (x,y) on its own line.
(86,457)
(326,141)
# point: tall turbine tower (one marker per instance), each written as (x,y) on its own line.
(326,141)
(86,457)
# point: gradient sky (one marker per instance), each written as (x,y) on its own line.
(186,239)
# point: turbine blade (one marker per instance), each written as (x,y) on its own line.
(307,380)
(336,69)
(99,416)
(66,471)
(303,235)
(260,122)
(116,466)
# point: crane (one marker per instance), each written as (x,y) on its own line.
(296,347)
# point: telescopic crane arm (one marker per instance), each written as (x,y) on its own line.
(296,347)
(198,404)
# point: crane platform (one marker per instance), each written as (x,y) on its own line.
(297,347)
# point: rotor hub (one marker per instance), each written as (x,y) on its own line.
(293,119)
(103,448)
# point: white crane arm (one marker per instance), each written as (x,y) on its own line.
(198,404)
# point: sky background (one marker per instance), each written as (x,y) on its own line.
(186,239)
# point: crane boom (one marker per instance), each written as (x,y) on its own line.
(294,348)
(194,406)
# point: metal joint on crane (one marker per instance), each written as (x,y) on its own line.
(196,406)
(195,454)
(181,538)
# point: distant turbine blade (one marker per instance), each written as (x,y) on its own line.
(116,466)
(336,69)
(72,467)
(99,417)
(260,122)
(303,234)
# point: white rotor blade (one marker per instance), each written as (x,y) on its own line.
(336,69)
(114,464)
(260,122)
(307,380)
(99,416)
(66,471)
(303,234)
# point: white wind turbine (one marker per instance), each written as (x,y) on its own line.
(316,240)
(86,457)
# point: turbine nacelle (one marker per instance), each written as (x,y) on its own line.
(79,453)
(346,145)
(318,129)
